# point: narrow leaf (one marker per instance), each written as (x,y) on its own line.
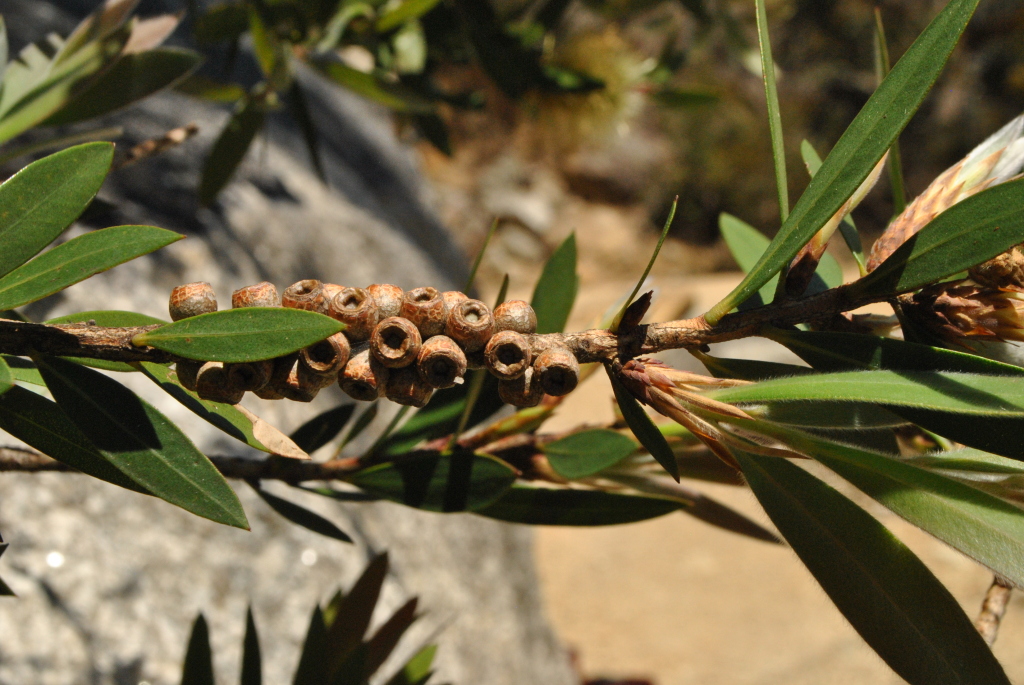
(41,200)
(252,665)
(551,507)
(417,670)
(41,424)
(360,424)
(650,265)
(241,335)
(968,233)
(230,149)
(23,371)
(907,616)
(141,442)
(301,516)
(322,428)
(643,428)
(198,667)
(312,668)
(882,67)
(78,259)
(6,377)
(407,10)
(383,643)
(300,110)
(352,616)
(846,227)
(555,292)
(459,481)
(771,94)
(585,453)
(866,139)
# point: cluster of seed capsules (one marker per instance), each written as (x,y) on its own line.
(398,344)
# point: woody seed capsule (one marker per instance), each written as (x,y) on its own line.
(260,295)
(441,362)
(277,388)
(192,299)
(523,391)
(388,298)
(307,294)
(515,315)
(395,342)
(508,355)
(557,370)
(426,309)
(470,324)
(327,356)
(364,377)
(187,370)
(330,291)
(453,297)
(249,375)
(212,384)
(405,386)
(300,386)
(356,309)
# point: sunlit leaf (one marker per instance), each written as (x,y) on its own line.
(774,117)
(78,259)
(41,200)
(230,148)
(907,616)
(141,442)
(857,152)
(406,10)
(241,335)
(417,670)
(555,292)
(585,453)
(846,227)
(6,377)
(370,87)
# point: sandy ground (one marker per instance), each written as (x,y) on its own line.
(683,603)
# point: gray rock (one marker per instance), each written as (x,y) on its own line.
(109,581)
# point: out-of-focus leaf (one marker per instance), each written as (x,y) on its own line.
(772,98)
(890,597)
(383,643)
(863,143)
(41,424)
(981,526)
(6,377)
(551,507)
(629,301)
(206,88)
(360,424)
(460,481)
(236,421)
(513,67)
(241,335)
(301,516)
(221,22)
(978,228)
(408,9)
(322,428)
(230,149)
(23,371)
(417,670)
(3,45)
(643,428)
(300,110)
(555,292)
(679,97)
(312,668)
(107,318)
(43,198)
(585,453)
(78,259)
(132,78)
(5,590)
(141,442)
(252,665)
(351,616)
(829,351)
(198,667)
(370,87)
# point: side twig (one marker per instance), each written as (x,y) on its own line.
(993,608)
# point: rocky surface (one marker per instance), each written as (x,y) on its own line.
(109,581)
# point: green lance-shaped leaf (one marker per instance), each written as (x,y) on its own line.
(312,668)
(22,371)
(558,507)
(747,244)
(459,481)
(230,148)
(110,317)
(555,292)
(6,377)
(78,259)
(141,442)
(978,524)
(40,423)
(322,428)
(749,369)
(866,139)
(774,117)
(585,453)
(198,666)
(371,87)
(301,516)
(978,228)
(408,9)
(417,669)
(241,335)
(130,79)
(643,428)
(846,227)
(236,421)
(41,200)
(252,664)
(903,612)
(827,351)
